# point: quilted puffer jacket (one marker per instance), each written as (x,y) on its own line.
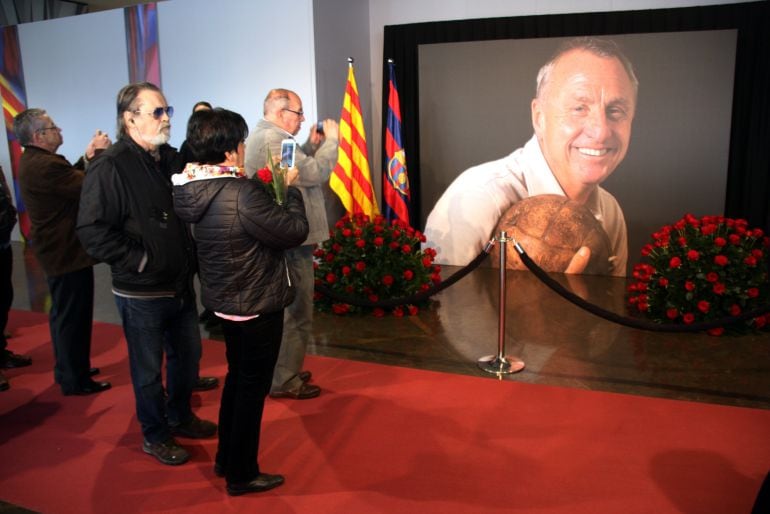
(240,234)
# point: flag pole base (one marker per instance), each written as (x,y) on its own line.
(501,365)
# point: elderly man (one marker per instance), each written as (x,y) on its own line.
(50,188)
(582,114)
(283,116)
(127,220)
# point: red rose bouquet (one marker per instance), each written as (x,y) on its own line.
(702,269)
(373,260)
(273,177)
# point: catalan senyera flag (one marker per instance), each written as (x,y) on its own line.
(351,179)
(395,182)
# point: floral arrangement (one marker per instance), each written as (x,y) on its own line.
(373,260)
(702,269)
(273,177)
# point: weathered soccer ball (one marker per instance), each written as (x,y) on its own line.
(550,229)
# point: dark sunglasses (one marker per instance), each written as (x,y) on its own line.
(158,112)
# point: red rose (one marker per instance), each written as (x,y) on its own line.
(735,239)
(378,241)
(360,243)
(689,285)
(427,261)
(357,232)
(373,297)
(647,250)
(712,276)
(704,306)
(408,274)
(750,261)
(398,312)
(347,232)
(718,331)
(752,292)
(720,260)
(413,310)
(720,241)
(394,245)
(346,270)
(265,175)
(387,280)
(406,249)
(688,318)
(675,262)
(331,278)
(760,321)
(672,313)
(663,281)
(719,288)
(378,312)
(693,255)
(340,308)
(360,266)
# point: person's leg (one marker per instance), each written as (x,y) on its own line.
(298,322)
(6,296)
(183,352)
(260,339)
(233,341)
(71,320)
(144,325)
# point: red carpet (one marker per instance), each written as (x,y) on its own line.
(381,439)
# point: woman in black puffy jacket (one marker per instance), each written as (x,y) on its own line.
(241,234)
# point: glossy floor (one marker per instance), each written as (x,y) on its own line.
(559,343)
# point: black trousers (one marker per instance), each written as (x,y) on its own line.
(252,349)
(70,321)
(6,294)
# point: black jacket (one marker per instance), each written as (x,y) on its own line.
(7,210)
(127,212)
(240,235)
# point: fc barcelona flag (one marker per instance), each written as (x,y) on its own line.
(395,182)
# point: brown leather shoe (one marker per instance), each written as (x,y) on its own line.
(303,392)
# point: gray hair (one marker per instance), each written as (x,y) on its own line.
(276,100)
(127,101)
(600,47)
(26,123)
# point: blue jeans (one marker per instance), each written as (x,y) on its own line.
(152,327)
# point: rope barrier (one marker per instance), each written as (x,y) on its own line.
(558,288)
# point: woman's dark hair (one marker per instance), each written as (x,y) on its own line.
(212,133)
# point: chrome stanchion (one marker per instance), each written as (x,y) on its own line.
(500,363)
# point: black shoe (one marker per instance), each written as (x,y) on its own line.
(168,452)
(90,387)
(14,360)
(205,383)
(263,482)
(4,385)
(93,372)
(195,428)
(305,391)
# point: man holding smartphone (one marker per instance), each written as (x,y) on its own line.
(282,119)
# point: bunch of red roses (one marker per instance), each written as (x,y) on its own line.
(373,260)
(702,269)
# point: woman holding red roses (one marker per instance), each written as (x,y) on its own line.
(241,234)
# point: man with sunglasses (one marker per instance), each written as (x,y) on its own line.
(50,188)
(127,220)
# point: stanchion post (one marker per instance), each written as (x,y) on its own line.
(500,363)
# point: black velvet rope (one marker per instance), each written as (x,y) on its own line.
(553,285)
(624,320)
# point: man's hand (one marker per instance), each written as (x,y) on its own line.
(291,175)
(100,141)
(579,261)
(331,129)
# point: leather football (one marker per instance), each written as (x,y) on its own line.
(550,229)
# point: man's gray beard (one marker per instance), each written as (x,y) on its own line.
(161,138)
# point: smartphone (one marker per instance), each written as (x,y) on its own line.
(288,149)
(319,127)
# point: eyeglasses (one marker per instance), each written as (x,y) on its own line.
(52,127)
(158,112)
(299,113)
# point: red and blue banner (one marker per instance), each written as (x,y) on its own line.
(395,182)
(142,43)
(14,98)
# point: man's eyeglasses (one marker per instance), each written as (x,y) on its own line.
(158,112)
(299,113)
(52,127)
